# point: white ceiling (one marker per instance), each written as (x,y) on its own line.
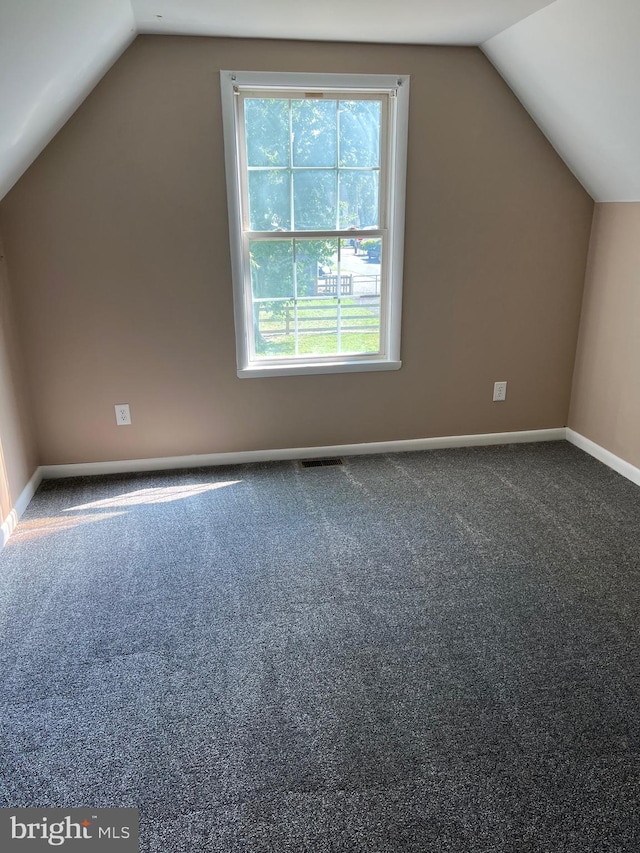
(52,54)
(574,64)
(576,68)
(408,21)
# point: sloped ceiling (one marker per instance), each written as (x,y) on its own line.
(52,54)
(574,64)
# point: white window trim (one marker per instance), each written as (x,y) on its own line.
(397,142)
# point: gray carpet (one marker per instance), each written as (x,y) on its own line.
(422,652)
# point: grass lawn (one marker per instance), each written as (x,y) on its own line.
(317,322)
(315,344)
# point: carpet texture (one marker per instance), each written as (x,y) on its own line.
(424,652)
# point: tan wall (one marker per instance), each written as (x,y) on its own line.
(118,246)
(17,448)
(605,405)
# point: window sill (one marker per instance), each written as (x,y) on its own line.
(310,368)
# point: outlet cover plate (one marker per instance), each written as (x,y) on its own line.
(123,415)
(499,392)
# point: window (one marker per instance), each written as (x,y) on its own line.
(316,169)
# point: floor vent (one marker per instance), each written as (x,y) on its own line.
(320,463)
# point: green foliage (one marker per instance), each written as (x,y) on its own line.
(267,131)
(317,158)
(273,263)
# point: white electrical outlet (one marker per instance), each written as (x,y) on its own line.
(123,415)
(499,392)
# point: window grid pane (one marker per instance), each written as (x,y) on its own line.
(297,191)
(315,297)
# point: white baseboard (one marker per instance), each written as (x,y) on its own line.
(50,472)
(44,472)
(10,522)
(610,459)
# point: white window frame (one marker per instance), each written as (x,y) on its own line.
(392,207)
